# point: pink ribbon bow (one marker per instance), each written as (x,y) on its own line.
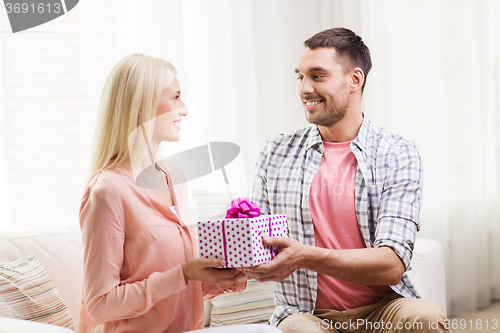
(242,207)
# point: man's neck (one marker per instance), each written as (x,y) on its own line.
(345,130)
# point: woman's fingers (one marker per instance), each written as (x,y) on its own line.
(226,276)
(226,281)
(224,273)
(216,263)
(240,279)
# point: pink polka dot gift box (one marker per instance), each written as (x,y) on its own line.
(238,238)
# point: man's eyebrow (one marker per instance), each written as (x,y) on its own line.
(313,69)
(318,69)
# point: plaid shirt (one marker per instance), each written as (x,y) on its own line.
(388,194)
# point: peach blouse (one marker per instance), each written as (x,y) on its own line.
(134,246)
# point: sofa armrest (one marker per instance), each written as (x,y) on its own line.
(428,272)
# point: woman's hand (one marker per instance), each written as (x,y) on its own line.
(201,269)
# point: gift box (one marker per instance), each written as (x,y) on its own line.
(238,240)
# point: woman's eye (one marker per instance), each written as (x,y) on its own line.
(299,78)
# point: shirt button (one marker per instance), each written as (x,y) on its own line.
(308,231)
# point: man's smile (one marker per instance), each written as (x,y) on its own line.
(313,104)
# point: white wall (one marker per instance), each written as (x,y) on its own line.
(52,78)
(4,187)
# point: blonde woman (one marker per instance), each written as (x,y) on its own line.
(140,270)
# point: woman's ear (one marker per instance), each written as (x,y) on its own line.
(357,79)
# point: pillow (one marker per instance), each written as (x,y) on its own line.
(27,292)
(254,304)
(209,205)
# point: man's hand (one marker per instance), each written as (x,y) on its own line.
(289,258)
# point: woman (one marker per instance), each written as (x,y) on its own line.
(140,270)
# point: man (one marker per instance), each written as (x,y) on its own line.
(351,192)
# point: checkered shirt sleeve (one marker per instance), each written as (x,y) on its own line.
(399,204)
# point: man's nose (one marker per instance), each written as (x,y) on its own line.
(305,87)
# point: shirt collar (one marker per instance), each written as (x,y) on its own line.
(314,139)
(361,139)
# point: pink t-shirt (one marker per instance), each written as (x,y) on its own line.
(332,207)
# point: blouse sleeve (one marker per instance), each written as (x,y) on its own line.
(107,299)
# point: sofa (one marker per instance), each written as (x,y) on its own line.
(59,249)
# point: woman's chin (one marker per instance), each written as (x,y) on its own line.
(174,139)
(171,137)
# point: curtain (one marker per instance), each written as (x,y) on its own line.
(434,80)
(235,62)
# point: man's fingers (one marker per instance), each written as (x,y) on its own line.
(276,241)
(268,273)
(263,268)
(254,275)
(264,278)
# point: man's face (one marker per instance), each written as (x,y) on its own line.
(324,87)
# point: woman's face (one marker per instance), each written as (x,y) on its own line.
(169,113)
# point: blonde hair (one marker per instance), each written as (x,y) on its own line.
(129,98)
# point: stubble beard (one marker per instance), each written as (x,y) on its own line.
(330,115)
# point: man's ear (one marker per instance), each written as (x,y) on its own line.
(357,79)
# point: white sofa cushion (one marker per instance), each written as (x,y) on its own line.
(250,328)
(59,249)
(9,325)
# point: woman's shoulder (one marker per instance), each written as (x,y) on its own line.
(111,183)
(112,188)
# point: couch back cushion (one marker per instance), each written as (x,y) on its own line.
(59,248)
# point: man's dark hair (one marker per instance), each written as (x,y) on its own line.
(352,51)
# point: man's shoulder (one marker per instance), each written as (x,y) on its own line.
(296,139)
(384,141)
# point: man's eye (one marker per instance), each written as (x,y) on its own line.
(318,76)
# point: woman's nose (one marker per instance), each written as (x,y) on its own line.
(184,110)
